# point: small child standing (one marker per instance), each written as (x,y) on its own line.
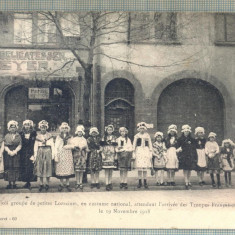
(212,152)
(124,152)
(159,158)
(201,154)
(44,152)
(227,159)
(79,150)
(109,155)
(94,157)
(172,164)
(187,154)
(142,153)
(64,168)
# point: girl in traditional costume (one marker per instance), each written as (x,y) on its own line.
(172,164)
(28,136)
(227,160)
(12,147)
(124,152)
(43,155)
(212,151)
(142,153)
(109,155)
(94,157)
(159,158)
(64,167)
(201,154)
(79,148)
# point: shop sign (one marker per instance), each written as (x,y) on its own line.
(39,93)
(27,62)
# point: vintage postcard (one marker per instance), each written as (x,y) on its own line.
(117,119)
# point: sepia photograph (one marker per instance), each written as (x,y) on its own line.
(117,119)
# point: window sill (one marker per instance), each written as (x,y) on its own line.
(223,43)
(162,43)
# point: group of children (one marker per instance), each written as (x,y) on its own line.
(29,155)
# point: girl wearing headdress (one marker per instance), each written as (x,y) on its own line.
(43,155)
(159,157)
(142,153)
(94,156)
(12,146)
(201,154)
(187,154)
(79,148)
(227,160)
(64,168)
(109,155)
(172,162)
(212,151)
(124,152)
(28,136)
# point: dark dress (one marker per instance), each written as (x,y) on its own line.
(94,161)
(27,151)
(11,163)
(188,156)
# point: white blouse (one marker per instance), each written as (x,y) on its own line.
(125,144)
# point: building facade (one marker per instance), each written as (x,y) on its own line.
(163,68)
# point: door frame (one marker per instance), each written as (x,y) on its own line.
(138,94)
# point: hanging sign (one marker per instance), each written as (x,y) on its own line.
(39,93)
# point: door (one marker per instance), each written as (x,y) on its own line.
(194,102)
(119,105)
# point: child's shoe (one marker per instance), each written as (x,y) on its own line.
(145,184)
(140,184)
(125,186)
(93,185)
(40,188)
(121,185)
(98,186)
(47,187)
(60,188)
(173,184)
(68,188)
(107,187)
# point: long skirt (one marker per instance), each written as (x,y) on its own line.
(159,163)
(43,164)
(172,159)
(214,164)
(79,159)
(124,160)
(27,167)
(228,166)
(11,166)
(109,157)
(94,163)
(201,161)
(64,168)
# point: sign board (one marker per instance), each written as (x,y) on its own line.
(39,93)
(35,63)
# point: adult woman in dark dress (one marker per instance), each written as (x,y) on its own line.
(187,154)
(28,136)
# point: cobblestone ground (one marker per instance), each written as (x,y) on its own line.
(132,183)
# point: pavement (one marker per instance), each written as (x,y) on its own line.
(132,184)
